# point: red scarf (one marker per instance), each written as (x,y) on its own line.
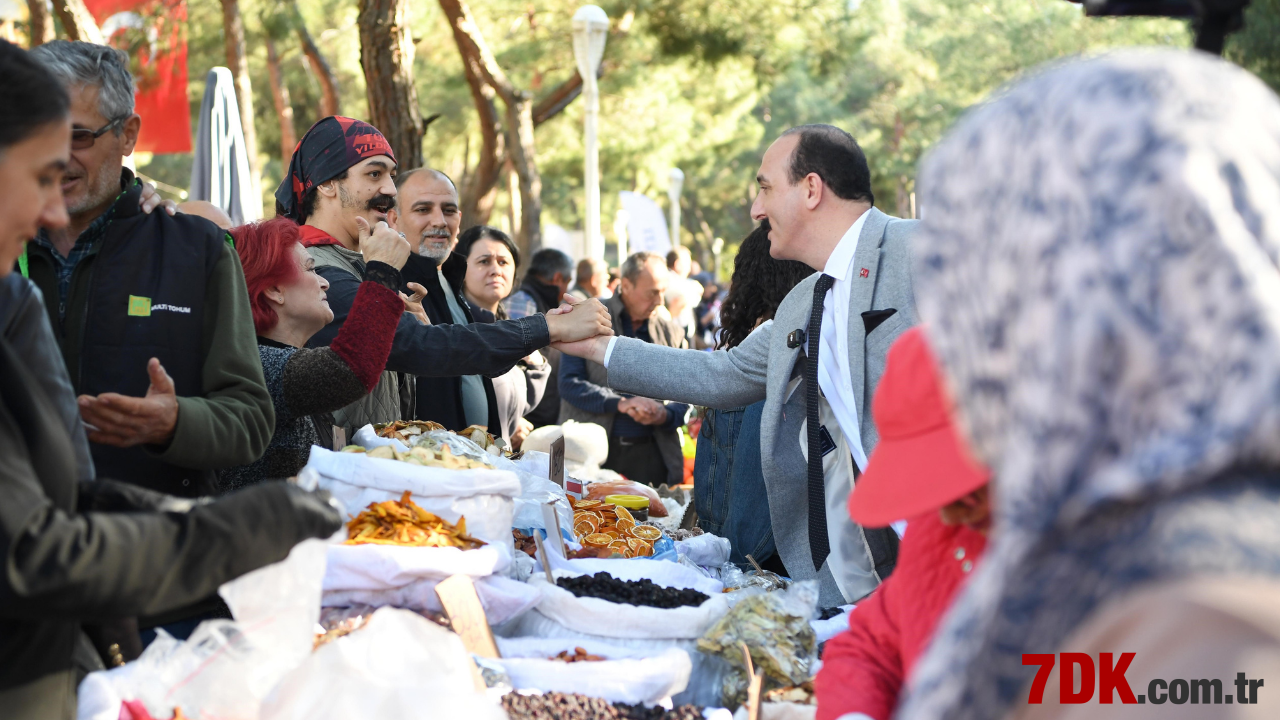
(311,236)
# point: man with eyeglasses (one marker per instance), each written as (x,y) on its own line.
(150,309)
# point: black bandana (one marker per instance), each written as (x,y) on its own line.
(325,152)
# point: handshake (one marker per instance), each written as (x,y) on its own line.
(579,321)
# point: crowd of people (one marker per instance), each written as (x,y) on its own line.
(993,430)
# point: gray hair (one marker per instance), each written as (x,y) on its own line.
(78,64)
(635,264)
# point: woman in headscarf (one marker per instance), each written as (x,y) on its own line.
(1097,273)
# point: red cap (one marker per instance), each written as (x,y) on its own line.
(921,462)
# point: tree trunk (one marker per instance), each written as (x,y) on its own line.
(386,54)
(233,37)
(319,66)
(78,21)
(284,106)
(523,152)
(480,188)
(39,24)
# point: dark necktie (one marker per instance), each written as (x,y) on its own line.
(819,545)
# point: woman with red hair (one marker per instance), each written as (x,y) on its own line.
(289,306)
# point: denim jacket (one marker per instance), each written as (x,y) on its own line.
(728,487)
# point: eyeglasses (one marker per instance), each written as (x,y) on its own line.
(82,138)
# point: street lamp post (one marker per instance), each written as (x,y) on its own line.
(673,193)
(590,30)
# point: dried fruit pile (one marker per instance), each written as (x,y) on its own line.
(438,456)
(578,655)
(600,526)
(564,706)
(604,586)
(402,522)
(406,431)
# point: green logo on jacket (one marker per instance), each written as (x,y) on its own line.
(139,306)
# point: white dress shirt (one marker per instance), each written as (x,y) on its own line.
(834,356)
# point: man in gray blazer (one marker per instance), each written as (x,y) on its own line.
(815,192)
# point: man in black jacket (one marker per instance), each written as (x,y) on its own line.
(73,550)
(428,214)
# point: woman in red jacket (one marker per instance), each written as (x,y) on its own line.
(923,471)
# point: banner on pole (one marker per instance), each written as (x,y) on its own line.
(153,34)
(646,224)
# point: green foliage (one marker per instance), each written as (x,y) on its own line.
(704,85)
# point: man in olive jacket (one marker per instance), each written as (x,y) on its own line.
(150,310)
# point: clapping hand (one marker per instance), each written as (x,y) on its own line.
(124,421)
(644,410)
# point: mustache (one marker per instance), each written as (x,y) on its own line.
(382,203)
(442,233)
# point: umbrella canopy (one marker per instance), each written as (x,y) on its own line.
(220,171)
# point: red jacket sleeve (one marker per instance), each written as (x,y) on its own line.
(862,667)
(364,342)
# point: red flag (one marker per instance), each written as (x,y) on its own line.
(153,34)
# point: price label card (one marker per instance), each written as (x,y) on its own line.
(466,615)
(557,460)
(552,524)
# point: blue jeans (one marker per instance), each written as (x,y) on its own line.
(728,484)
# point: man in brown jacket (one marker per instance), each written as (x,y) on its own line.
(644,443)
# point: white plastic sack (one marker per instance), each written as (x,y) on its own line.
(400,665)
(584,443)
(483,497)
(787,711)
(831,627)
(667,574)
(367,437)
(706,550)
(629,675)
(606,619)
(226,667)
(502,598)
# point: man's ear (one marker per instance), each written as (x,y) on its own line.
(130,129)
(813,191)
(328,188)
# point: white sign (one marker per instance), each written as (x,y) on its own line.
(646,224)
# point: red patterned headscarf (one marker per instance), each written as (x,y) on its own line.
(329,148)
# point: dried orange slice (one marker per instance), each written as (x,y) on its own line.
(640,547)
(597,540)
(588,504)
(619,546)
(647,532)
(626,525)
(612,533)
(623,513)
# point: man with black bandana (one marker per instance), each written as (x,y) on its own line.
(340,188)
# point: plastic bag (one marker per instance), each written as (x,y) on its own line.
(606,619)
(736,579)
(706,550)
(705,678)
(601,490)
(630,675)
(502,598)
(775,628)
(400,665)
(584,443)
(226,667)
(483,497)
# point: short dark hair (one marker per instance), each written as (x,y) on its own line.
(474,234)
(32,97)
(547,262)
(833,155)
(308,204)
